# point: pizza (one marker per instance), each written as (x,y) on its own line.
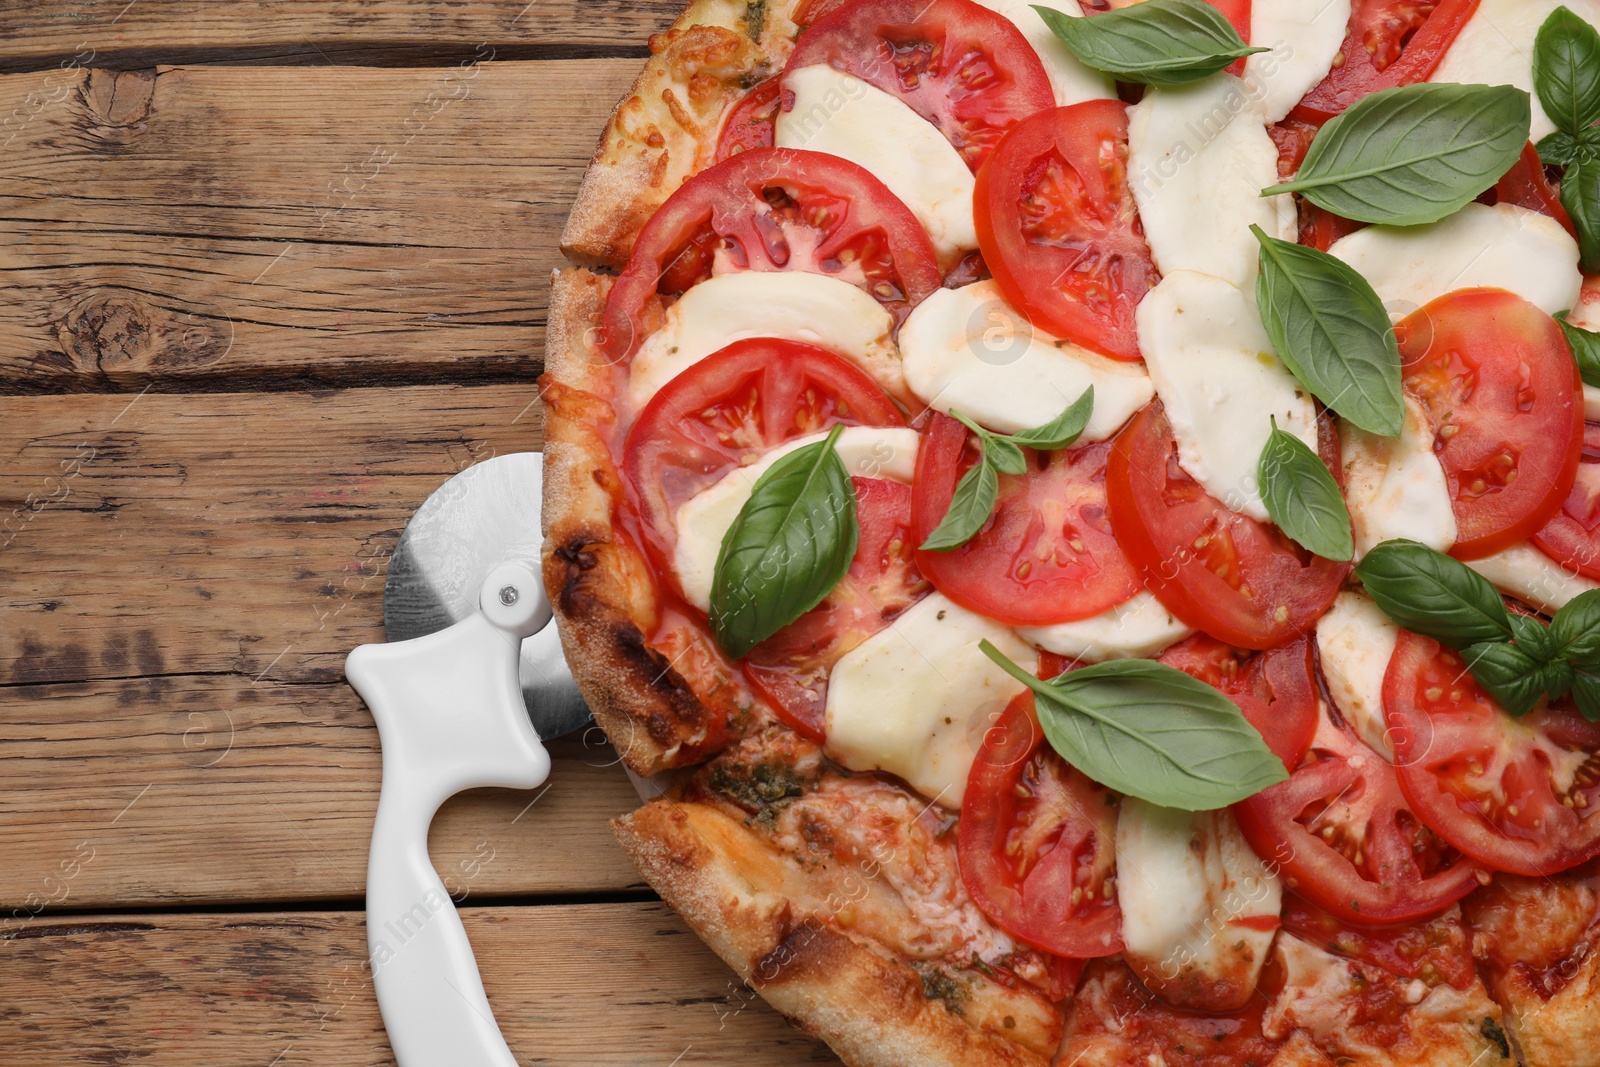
(1089,510)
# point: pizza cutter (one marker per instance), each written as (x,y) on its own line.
(470,680)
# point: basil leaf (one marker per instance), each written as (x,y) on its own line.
(1561,148)
(1533,637)
(1302,497)
(1158,42)
(1431,594)
(1506,673)
(1151,731)
(1580,195)
(1062,430)
(1566,71)
(1413,154)
(789,546)
(1585,347)
(1558,675)
(1586,694)
(1575,631)
(970,508)
(1332,332)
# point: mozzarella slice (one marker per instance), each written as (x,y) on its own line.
(1532,577)
(1198,158)
(1355,641)
(1395,487)
(703,520)
(1499,247)
(1304,36)
(966,350)
(1185,880)
(792,305)
(1219,380)
(842,115)
(915,699)
(1585,313)
(1070,81)
(1138,628)
(1495,47)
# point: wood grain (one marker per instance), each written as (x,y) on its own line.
(189,226)
(602,985)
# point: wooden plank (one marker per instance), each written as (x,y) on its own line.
(615,985)
(316,31)
(194,225)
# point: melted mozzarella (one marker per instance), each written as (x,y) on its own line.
(1198,158)
(915,699)
(1495,47)
(842,115)
(1184,880)
(793,305)
(1219,380)
(1304,36)
(1500,247)
(967,350)
(1138,628)
(1355,641)
(1070,81)
(1532,577)
(1395,487)
(703,520)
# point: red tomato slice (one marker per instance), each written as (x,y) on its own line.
(1519,795)
(1239,580)
(1525,185)
(791,667)
(749,123)
(1046,555)
(1037,840)
(1431,949)
(1503,393)
(1276,690)
(1059,229)
(1145,1029)
(1390,43)
(726,411)
(772,209)
(1572,536)
(1344,837)
(964,68)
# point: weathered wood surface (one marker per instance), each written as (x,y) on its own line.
(601,985)
(194,225)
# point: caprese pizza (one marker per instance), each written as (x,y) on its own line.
(1092,510)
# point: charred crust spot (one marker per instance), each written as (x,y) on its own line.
(577,558)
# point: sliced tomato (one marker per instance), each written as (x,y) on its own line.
(1037,842)
(728,409)
(1506,403)
(1525,185)
(1046,555)
(1058,226)
(1434,949)
(1343,835)
(1115,1011)
(1241,581)
(1389,43)
(791,667)
(771,209)
(749,124)
(964,68)
(1572,536)
(1519,795)
(1276,690)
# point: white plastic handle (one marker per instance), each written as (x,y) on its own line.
(450,717)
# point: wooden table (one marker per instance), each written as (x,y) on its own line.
(269,273)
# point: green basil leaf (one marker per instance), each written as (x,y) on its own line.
(1506,673)
(1413,154)
(1431,594)
(1332,332)
(1533,637)
(1580,195)
(1586,694)
(1004,456)
(1585,347)
(1558,675)
(1575,631)
(1062,430)
(970,508)
(1302,497)
(789,546)
(1151,731)
(1158,42)
(1566,71)
(1558,149)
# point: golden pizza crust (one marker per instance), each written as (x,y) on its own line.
(1563,1031)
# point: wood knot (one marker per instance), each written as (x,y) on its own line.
(119,102)
(126,340)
